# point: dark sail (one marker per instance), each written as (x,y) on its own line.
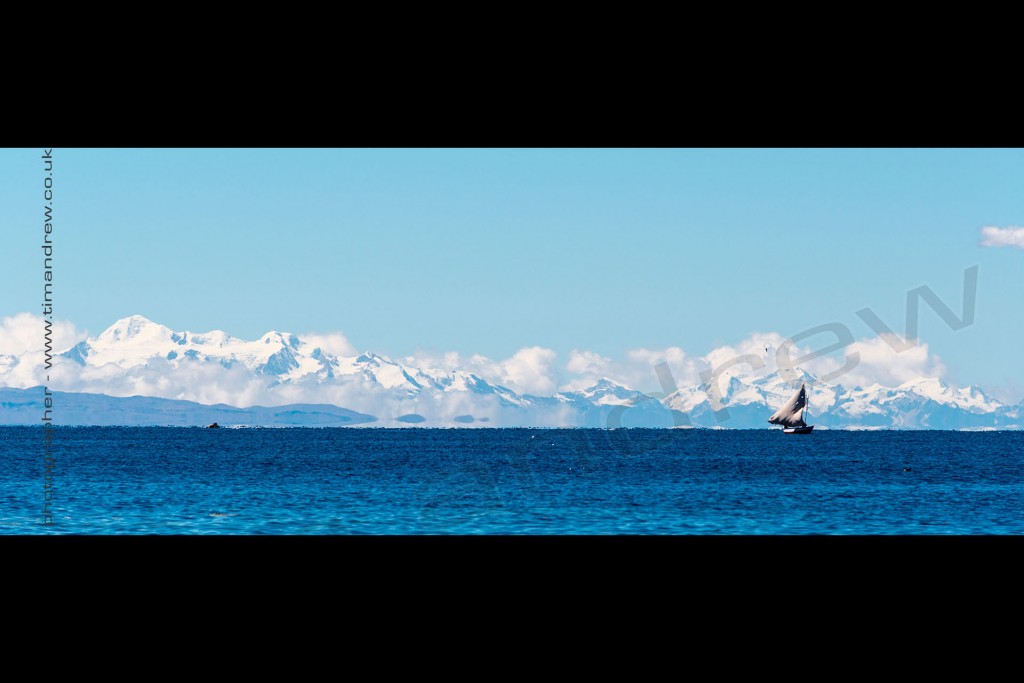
(792,414)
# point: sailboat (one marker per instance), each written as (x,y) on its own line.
(791,415)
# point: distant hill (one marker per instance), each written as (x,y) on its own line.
(25,406)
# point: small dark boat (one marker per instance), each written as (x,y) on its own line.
(213,426)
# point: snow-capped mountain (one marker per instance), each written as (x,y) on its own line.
(606,392)
(138,357)
(747,401)
(136,342)
(920,403)
(21,406)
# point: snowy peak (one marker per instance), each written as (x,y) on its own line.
(128,342)
(607,392)
(217,339)
(285,339)
(934,389)
(137,341)
(134,328)
(929,387)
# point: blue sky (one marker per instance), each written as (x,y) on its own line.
(488,251)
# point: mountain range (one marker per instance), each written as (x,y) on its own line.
(139,358)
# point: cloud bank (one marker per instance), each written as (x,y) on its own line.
(1011,236)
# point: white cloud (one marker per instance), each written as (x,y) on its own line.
(638,370)
(334,343)
(756,356)
(24,332)
(587,363)
(762,346)
(207,383)
(1012,236)
(589,367)
(22,344)
(879,364)
(529,370)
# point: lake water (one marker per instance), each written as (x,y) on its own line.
(160,480)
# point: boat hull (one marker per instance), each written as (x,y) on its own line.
(798,430)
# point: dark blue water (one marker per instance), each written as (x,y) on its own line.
(513,481)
